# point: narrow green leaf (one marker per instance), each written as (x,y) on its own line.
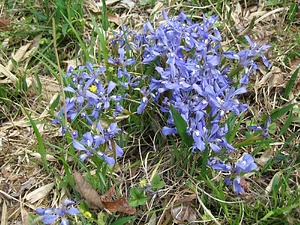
(292,12)
(41,17)
(55,104)
(234,126)
(291,83)
(288,122)
(64,28)
(41,147)
(279,112)
(123,220)
(267,215)
(104,16)
(287,142)
(181,127)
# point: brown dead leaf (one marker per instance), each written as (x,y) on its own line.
(265,157)
(109,195)
(120,205)
(39,193)
(114,19)
(38,156)
(183,212)
(274,78)
(25,216)
(17,56)
(4,24)
(105,201)
(87,191)
(277,80)
(187,198)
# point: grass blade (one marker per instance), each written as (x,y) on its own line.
(288,122)
(41,147)
(291,83)
(181,127)
(279,112)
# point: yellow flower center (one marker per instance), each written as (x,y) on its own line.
(143,183)
(93,88)
(87,214)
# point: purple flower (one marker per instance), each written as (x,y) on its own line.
(227,182)
(265,129)
(258,50)
(90,143)
(217,164)
(50,215)
(237,187)
(121,60)
(246,164)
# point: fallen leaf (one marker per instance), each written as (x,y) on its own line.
(37,155)
(39,193)
(187,198)
(265,157)
(105,201)
(119,205)
(25,216)
(17,56)
(183,212)
(114,19)
(25,186)
(8,74)
(4,23)
(87,191)
(273,183)
(109,195)
(274,78)
(153,219)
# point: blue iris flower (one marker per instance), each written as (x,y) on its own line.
(50,215)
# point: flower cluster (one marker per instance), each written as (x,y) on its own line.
(245,165)
(50,215)
(92,101)
(179,67)
(189,75)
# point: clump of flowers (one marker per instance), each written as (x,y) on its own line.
(180,68)
(92,102)
(189,76)
(50,215)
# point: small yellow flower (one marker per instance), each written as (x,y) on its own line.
(93,88)
(110,69)
(143,183)
(87,214)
